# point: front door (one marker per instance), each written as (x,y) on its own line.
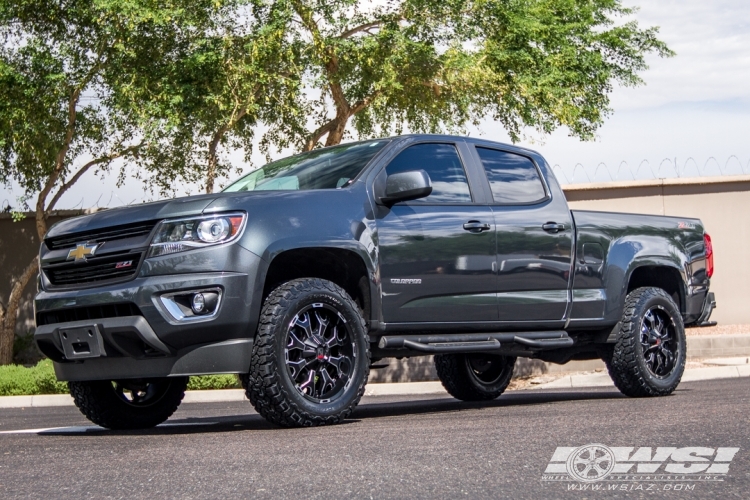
(437,254)
(534,240)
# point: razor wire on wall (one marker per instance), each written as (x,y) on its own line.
(578,174)
(669,168)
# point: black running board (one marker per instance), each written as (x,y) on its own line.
(453,347)
(554,343)
(476,342)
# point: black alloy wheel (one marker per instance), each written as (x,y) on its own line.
(320,353)
(140,394)
(311,355)
(486,369)
(648,357)
(658,341)
(129,404)
(474,377)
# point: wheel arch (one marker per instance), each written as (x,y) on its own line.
(666,276)
(343,266)
(634,262)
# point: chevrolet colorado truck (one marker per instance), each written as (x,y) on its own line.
(304,273)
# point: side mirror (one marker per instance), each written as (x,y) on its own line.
(406,186)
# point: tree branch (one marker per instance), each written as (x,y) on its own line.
(214,144)
(41,227)
(339,99)
(329,61)
(86,167)
(313,138)
(41,217)
(359,29)
(363,103)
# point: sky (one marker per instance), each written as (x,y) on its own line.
(692,117)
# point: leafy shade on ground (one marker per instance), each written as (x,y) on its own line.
(17,380)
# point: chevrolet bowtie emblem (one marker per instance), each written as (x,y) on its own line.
(82,250)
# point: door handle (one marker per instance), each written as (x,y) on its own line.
(474,226)
(553,227)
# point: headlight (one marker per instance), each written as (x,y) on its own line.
(179,235)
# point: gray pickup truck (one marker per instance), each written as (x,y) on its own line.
(302,274)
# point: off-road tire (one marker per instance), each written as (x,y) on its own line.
(626,363)
(101,404)
(270,387)
(462,382)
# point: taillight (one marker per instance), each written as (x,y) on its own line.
(709,255)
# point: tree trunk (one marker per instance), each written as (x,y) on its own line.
(213,146)
(337,133)
(213,163)
(10,315)
(8,324)
(213,158)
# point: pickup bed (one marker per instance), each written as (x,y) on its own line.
(302,274)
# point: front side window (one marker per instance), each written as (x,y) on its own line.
(514,179)
(442,164)
(328,168)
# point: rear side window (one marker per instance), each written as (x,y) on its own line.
(513,178)
(442,164)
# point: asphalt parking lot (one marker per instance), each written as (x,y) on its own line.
(393,447)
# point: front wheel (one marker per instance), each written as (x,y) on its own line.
(648,358)
(311,355)
(474,377)
(129,404)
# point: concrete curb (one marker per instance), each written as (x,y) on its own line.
(699,347)
(218,396)
(691,375)
(402,388)
(36,401)
(409,388)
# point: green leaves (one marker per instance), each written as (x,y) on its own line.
(189,81)
(558,60)
(435,65)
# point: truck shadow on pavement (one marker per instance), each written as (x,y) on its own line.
(394,407)
(447,404)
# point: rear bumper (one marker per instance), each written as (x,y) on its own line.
(709,304)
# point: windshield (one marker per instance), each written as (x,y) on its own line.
(328,168)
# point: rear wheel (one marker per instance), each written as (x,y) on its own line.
(129,404)
(311,355)
(474,377)
(648,358)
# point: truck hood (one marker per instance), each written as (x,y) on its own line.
(177,207)
(195,205)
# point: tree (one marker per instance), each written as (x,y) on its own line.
(61,67)
(432,65)
(209,90)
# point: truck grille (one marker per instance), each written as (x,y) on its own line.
(120,251)
(110,267)
(87,312)
(110,234)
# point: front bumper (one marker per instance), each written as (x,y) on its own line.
(231,356)
(153,343)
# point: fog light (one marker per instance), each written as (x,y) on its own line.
(198,303)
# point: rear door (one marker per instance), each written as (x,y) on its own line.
(534,239)
(437,254)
